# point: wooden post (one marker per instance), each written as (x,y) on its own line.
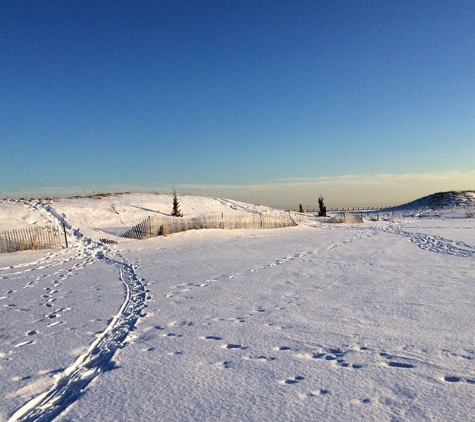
(65,237)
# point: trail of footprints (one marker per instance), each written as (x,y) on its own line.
(338,356)
(433,243)
(47,299)
(184,288)
(49,296)
(354,357)
(188,287)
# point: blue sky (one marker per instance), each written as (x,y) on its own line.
(274,102)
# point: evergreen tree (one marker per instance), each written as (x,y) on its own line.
(176,207)
(322,209)
(301,208)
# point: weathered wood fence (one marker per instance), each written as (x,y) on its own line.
(36,237)
(157,225)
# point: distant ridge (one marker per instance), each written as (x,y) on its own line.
(440,201)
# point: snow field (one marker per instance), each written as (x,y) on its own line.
(323,322)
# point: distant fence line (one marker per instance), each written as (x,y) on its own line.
(349,209)
(36,237)
(158,225)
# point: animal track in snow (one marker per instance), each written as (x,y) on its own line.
(260,358)
(436,244)
(173,335)
(321,392)
(456,379)
(394,363)
(216,338)
(291,381)
(282,348)
(234,346)
(400,365)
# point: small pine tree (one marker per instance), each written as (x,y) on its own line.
(301,208)
(176,207)
(322,209)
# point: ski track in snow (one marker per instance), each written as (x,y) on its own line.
(70,384)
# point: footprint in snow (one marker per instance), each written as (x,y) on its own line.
(212,338)
(321,392)
(262,358)
(393,364)
(455,379)
(234,346)
(227,364)
(291,381)
(282,348)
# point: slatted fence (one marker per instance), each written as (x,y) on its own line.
(36,237)
(157,225)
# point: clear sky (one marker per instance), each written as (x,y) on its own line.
(273,102)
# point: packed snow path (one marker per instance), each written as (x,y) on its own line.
(74,380)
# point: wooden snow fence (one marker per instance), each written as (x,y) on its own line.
(158,225)
(36,237)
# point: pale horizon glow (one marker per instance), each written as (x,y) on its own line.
(370,190)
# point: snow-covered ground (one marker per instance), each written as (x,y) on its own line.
(364,322)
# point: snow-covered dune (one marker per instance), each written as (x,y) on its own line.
(325,322)
(446,202)
(113,214)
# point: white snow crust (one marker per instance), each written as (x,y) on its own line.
(327,322)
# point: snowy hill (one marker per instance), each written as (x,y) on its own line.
(445,202)
(114,213)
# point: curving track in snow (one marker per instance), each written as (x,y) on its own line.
(74,380)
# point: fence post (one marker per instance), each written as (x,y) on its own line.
(65,237)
